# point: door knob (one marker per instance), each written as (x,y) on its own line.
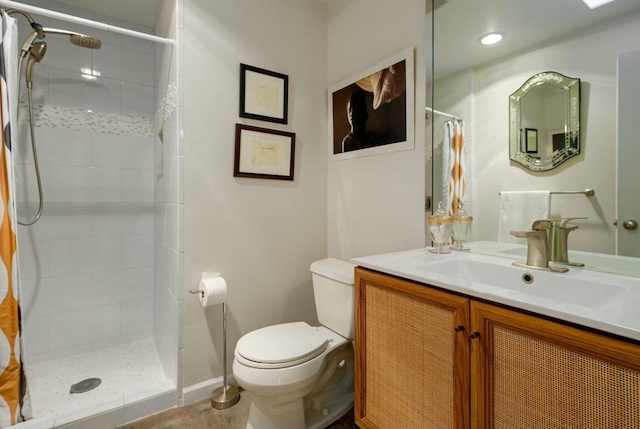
(630,224)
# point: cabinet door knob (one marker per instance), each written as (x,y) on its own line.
(459,328)
(474,335)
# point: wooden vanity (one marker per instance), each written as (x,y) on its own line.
(430,358)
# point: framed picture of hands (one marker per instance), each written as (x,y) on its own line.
(372,112)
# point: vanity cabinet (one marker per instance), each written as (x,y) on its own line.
(426,358)
(412,366)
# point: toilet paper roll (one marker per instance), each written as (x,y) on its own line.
(213,291)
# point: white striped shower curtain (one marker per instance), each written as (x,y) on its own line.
(14,400)
(454,180)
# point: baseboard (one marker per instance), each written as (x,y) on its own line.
(200,391)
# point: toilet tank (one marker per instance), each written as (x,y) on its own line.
(333,291)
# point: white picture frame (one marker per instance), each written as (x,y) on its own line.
(390,112)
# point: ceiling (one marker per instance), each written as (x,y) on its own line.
(527,23)
(141,12)
(458,24)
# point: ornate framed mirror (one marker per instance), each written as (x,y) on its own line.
(544,121)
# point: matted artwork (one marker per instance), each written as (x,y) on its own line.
(372,112)
(264,94)
(263,153)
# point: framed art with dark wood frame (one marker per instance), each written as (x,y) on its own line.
(531,140)
(264,95)
(262,153)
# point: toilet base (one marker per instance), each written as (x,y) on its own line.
(331,398)
(265,414)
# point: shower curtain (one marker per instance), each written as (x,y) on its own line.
(454,180)
(14,400)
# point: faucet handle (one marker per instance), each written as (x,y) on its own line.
(541,225)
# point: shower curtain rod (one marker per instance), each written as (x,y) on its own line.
(83,21)
(437,112)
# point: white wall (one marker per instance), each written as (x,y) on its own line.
(262,235)
(376,203)
(590,58)
(86,265)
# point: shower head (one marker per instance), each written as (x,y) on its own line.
(77,39)
(38,49)
(85,41)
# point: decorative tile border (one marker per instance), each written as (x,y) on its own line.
(166,108)
(82,120)
(102,122)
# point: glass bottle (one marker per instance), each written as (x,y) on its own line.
(439,230)
(461,222)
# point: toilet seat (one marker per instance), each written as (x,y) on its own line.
(281,346)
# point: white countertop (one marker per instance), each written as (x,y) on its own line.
(617,314)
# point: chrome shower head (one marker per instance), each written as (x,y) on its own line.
(85,41)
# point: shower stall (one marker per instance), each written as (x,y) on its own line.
(100,206)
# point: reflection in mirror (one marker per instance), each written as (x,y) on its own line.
(544,121)
(473,82)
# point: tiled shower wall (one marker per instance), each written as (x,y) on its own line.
(87,264)
(168,243)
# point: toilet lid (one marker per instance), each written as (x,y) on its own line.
(288,343)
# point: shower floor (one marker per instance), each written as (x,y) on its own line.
(129,372)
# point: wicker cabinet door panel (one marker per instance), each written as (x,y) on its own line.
(542,374)
(408,366)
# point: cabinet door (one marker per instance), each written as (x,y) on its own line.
(412,364)
(533,373)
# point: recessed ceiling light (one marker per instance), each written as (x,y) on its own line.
(596,3)
(491,38)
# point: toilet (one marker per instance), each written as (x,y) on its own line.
(301,376)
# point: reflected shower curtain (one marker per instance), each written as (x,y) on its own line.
(14,403)
(454,181)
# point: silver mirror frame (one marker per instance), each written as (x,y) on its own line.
(571,86)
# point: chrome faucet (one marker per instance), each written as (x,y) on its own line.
(537,256)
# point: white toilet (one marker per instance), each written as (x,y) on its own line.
(300,376)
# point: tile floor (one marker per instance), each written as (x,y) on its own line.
(201,416)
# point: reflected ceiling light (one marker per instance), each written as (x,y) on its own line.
(89,74)
(491,38)
(596,3)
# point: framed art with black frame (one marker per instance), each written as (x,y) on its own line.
(264,94)
(262,153)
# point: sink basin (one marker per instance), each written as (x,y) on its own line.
(574,287)
(603,301)
(517,251)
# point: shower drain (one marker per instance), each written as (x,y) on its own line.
(85,385)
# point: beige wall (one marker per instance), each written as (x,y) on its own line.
(262,235)
(376,203)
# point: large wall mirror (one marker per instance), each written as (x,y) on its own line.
(544,121)
(474,82)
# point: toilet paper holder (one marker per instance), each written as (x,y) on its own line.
(225,396)
(204,277)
